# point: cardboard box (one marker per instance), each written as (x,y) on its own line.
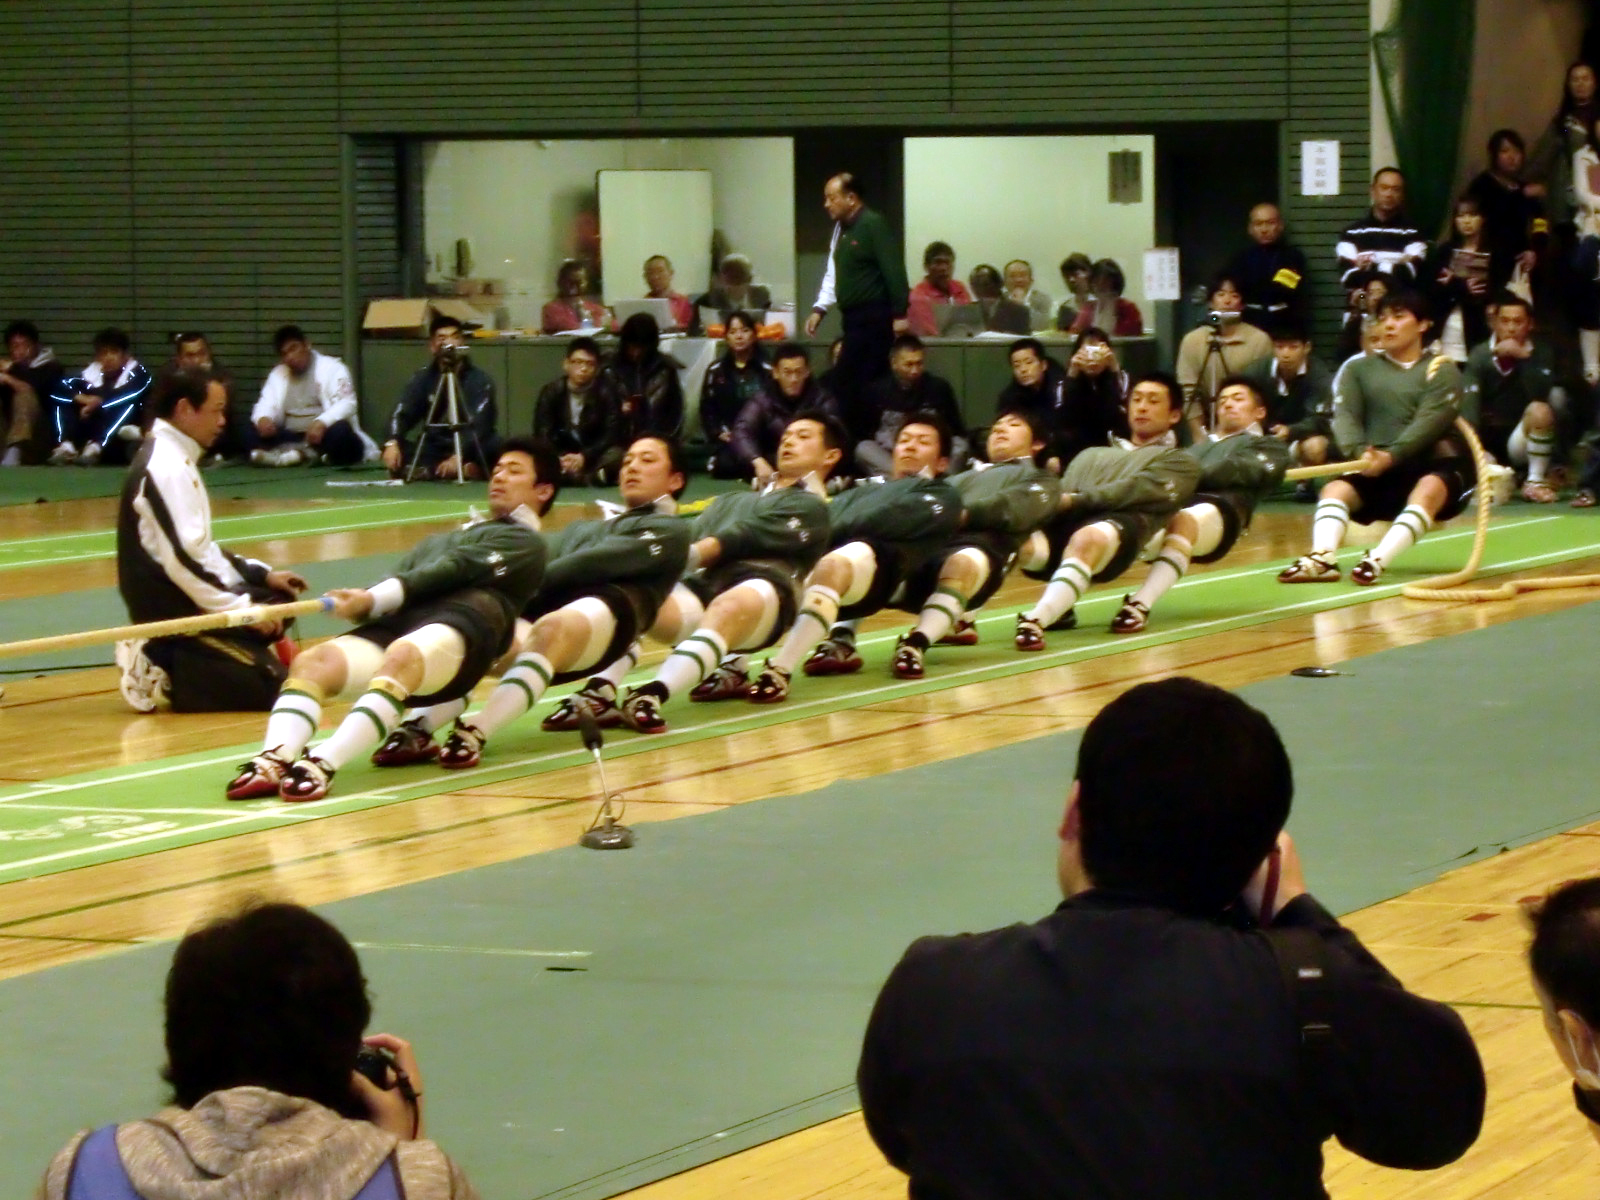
(409,317)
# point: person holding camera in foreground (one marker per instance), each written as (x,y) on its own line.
(425,402)
(275,1091)
(1189,1023)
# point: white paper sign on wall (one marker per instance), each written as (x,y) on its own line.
(1161,280)
(1319,168)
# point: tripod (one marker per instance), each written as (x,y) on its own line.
(445,412)
(1200,394)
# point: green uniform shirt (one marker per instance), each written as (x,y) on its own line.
(1014,497)
(645,546)
(1156,480)
(785,523)
(504,555)
(916,513)
(1247,465)
(1496,398)
(1403,410)
(867,266)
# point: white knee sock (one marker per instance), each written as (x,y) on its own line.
(1328,525)
(1540,448)
(616,672)
(940,614)
(1406,532)
(519,690)
(818,608)
(1171,565)
(371,719)
(691,661)
(293,723)
(438,716)
(1070,581)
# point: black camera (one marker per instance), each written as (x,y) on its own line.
(376,1063)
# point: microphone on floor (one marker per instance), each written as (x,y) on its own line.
(604,832)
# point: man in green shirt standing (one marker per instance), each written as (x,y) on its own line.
(1394,411)
(866,278)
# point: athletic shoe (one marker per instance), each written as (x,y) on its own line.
(1030,634)
(769,687)
(130,433)
(259,778)
(641,712)
(144,686)
(261,458)
(833,657)
(1537,492)
(1365,573)
(1132,617)
(962,633)
(12,457)
(599,696)
(463,748)
(307,779)
(63,454)
(90,456)
(907,662)
(1067,620)
(725,683)
(1312,568)
(406,746)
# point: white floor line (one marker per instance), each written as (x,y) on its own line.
(221,526)
(492,951)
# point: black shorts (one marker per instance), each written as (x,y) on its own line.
(1383,497)
(923,580)
(633,607)
(1236,509)
(1133,531)
(708,585)
(483,618)
(893,565)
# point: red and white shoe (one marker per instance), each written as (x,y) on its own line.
(463,748)
(406,746)
(309,778)
(962,633)
(259,778)
(1311,568)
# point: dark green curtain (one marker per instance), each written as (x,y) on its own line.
(1424,60)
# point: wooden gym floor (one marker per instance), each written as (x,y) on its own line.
(1459,939)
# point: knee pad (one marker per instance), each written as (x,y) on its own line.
(1112,542)
(979,561)
(1212,527)
(442,650)
(863,567)
(679,616)
(767,624)
(1035,552)
(361,660)
(602,629)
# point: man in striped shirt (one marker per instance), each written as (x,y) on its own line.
(1384,243)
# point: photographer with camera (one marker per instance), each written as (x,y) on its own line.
(1190,1022)
(425,402)
(1224,344)
(276,1094)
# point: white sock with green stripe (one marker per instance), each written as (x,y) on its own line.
(691,661)
(616,672)
(818,610)
(1328,525)
(1171,565)
(293,723)
(438,716)
(1541,447)
(1405,533)
(519,690)
(1070,581)
(371,719)
(939,614)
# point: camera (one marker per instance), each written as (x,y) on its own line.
(375,1063)
(451,356)
(1218,319)
(1095,351)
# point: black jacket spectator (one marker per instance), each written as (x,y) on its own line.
(1304,405)
(888,405)
(728,387)
(760,425)
(1078,413)
(648,393)
(1397,245)
(596,434)
(1513,222)
(1445,298)
(1272,280)
(475,389)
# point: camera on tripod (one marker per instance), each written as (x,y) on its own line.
(451,356)
(1218,319)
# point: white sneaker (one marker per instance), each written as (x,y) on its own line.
(130,433)
(261,458)
(144,686)
(12,457)
(90,456)
(286,456)
(64,454)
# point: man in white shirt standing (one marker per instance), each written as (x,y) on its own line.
(307,409)
(169,566)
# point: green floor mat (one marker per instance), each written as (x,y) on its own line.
(589,1022)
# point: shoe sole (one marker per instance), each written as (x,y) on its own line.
(1128,628)
(1311,579)
(131,684)
(758,698)
(848,667)
(1029,647)
(715,697)
(256,791)
(610,719)
(460,764)
(408,759)
(960,639)
(307,799)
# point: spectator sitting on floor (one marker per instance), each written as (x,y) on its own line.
(97,412)
(480,442)
(1019,287)
(1095,397)
(1298,389)
(1038,387)
(909,388)
(731,382)
(1510,396)
(29,376)
(191,351)
(1565,960)
(307,409)
(1105,308)
(759,427)
(645,382)
(938,286)
(580,416)
(265,1013)
(572,308)
(1075,272)
(658,276)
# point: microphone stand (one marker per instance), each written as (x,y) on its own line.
(604,832)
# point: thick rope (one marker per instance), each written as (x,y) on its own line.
(1448,587)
